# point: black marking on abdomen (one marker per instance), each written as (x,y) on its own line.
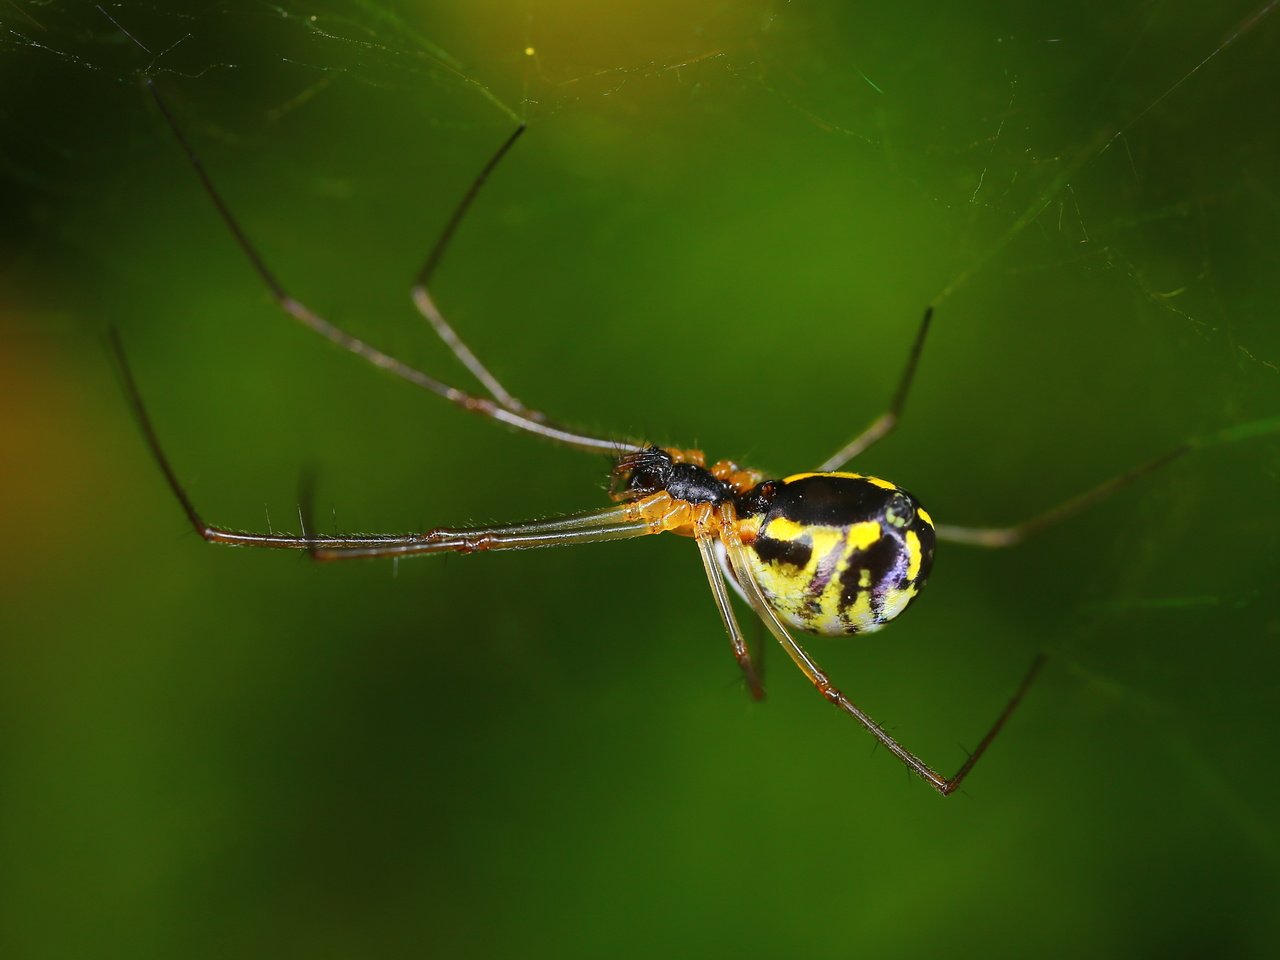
(822,575)
(792,552)
(830,500)
(886,560)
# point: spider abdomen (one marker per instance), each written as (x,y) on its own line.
(839,553)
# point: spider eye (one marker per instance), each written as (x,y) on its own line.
(900,511)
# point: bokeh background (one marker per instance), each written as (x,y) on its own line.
(721,228)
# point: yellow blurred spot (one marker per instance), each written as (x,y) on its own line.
(529,51)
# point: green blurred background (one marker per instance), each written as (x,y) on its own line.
(721,228)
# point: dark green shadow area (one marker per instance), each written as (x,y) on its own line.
(720,229)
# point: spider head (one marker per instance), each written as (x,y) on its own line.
(641,473)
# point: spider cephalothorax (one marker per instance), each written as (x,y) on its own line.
(681,474)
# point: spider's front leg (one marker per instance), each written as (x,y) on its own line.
(612,523)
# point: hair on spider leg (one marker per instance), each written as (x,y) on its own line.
(307,482)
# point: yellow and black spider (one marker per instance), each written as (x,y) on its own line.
(828,552)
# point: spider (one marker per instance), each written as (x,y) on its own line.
(829,552)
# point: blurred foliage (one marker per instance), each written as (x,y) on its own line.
(721,228)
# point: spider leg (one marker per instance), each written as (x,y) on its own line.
(808,666)
(528,421)
(612,523)
(597,526)
(883,424)
(741,652)
(427,307)
(993,537)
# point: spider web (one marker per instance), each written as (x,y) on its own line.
(721,228)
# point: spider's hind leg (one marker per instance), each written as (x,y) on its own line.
(882,425)
(737,554)
(994,537)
